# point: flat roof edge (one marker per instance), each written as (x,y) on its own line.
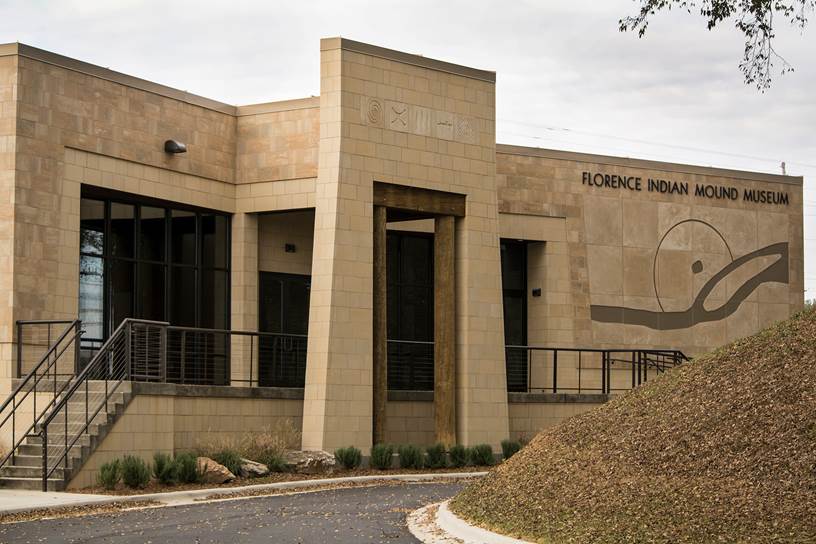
(646,163)
(407,58)
(87,68)
(279,106)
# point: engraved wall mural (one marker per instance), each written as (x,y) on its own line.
(731,280)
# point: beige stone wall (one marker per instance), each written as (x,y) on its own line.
(278,141)
(159,423)
(612,236)
(406,122)
(278,229)
(75,128)
(409,422)
(527,419)
(8,163)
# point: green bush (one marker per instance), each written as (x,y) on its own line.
(437,458)
(411,456)
(349,457)
(109,474)
(187,468)
(381,456)
(135,472)
(273,460)
(459,456)
(481,455)
(165,468)
(510,448)
(229,458)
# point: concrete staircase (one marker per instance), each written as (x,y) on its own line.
(24,471)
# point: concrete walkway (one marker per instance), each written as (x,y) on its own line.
(22,500)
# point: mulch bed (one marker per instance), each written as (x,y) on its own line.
(62,512)
(275,477)
(719,450)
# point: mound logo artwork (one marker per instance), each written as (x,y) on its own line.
(771,262)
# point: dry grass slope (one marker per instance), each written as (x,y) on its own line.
(719,450)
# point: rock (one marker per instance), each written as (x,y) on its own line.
(252,469)
(310,462)
(212,472)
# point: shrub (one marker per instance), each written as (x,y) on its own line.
(381,456)
(165,468)
(509,448)
(187,468)
(268,446)
(230,458)
(135,472)
(411,456)
(481,455)
(459,456)
(109,474)
(437,458)
(349,457)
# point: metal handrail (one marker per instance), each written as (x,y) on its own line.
(76,326)
(124,329)
(641,361)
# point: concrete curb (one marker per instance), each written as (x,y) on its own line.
(189,496)
(436,524)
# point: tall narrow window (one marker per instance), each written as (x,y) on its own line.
(514,298)
(92,268)
(410,309)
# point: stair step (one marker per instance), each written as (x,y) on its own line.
(53,450)
(36,460)
(36,441)
(33,472)
(32,483)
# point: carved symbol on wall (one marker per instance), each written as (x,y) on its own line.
(400,116)
(777,271)
(374,111)
(464,129)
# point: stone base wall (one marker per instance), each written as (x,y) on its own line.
(409,422)
(167,423)
(532,413)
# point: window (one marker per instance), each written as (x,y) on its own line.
(152,262)
(514,298)
(410,311)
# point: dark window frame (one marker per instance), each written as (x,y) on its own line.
(109,197)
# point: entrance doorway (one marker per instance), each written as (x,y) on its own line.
(283,310)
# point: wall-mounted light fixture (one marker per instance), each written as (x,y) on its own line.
(174,146)
(289,248)
(537,292)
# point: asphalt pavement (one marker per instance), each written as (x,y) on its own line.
(354,515)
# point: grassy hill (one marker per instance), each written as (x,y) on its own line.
(719,450)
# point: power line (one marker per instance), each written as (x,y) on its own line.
(647,142)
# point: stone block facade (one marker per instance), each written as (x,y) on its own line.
(619,253)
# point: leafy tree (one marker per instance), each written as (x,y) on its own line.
(754,18)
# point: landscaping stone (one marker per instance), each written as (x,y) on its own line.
(252,469)
(212,472)
(310,462)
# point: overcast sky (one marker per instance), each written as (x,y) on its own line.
(567,79)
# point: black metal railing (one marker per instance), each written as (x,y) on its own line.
(410,365)
(197,356)
(39,390)
(584,370)
(81,405)
(36,336)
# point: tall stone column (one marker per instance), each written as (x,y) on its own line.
(380,309)
(444,331)
(244,299)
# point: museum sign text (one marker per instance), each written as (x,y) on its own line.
(716,192)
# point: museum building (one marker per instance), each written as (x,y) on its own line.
(368,264)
